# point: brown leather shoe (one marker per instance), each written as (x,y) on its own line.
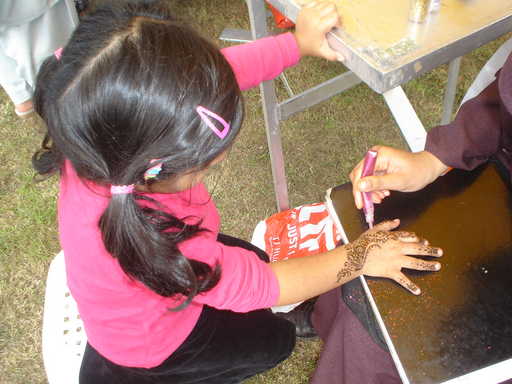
(301,317)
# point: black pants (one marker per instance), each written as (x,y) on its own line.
(224,347)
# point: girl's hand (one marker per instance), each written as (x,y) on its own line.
(381,253)
(395,170)
(315,19)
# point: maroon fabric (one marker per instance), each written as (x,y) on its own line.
(349,355)
(482,128)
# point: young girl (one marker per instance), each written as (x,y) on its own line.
(138,106)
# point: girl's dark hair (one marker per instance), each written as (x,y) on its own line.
(125,91)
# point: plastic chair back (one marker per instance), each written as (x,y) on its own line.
(64,337)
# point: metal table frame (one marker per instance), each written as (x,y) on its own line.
(396,99)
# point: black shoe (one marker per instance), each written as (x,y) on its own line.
(301,317)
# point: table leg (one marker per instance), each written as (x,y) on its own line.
(450,90)
(406,118)
(286,85)
(235,35)
(257,16)
(488,73)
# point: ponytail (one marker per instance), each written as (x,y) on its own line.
(144,241)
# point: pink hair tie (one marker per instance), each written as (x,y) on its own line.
(205,114)
(121,189)
(58,53)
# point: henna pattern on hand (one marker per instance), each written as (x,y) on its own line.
(425,266)
(409,285)
(358,250)
(405,234)
(429,251)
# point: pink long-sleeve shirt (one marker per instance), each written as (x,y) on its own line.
(124,320)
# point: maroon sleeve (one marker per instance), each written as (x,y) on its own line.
(474,135)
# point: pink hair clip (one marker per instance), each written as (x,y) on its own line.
(121,189)
(153,172)
(204,113)
(58,53)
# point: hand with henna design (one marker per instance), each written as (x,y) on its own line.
(381,253)
(377,252)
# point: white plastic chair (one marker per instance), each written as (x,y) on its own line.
(64,337)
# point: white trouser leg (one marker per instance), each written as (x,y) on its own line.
(24,47)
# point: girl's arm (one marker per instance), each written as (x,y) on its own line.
(265,59)
(377,252)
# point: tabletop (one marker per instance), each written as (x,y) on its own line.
(460,324)
(389,42)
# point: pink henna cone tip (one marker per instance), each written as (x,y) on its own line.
(368,168)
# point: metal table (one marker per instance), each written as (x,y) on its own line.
(385,43)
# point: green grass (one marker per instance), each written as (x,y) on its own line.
(321,145)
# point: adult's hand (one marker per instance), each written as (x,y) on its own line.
(395,170)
